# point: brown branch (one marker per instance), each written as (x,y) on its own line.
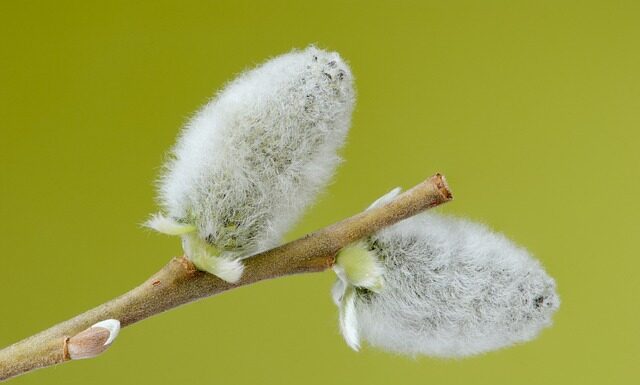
(179,282)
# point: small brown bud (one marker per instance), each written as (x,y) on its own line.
(92,341)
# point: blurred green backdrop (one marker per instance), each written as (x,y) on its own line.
(531,109)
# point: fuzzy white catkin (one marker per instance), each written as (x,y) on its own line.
(452,288)
(250,161)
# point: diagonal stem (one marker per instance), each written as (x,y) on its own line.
(179,282)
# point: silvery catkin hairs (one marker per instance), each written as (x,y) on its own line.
(441,286)
(249,162)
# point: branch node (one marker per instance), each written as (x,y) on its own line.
(186,264)
(65,349)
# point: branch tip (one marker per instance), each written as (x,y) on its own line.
(443,188)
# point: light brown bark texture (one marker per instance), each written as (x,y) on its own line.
(179,282)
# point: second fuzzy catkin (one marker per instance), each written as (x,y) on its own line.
(443,287)
(250,161)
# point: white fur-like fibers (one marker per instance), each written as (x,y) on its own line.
(250,161)
(452,288)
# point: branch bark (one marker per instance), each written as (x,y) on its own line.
(179,282)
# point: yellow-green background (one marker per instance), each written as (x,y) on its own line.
(531,109)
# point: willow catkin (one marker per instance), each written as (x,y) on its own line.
(250,161)
(450,288)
